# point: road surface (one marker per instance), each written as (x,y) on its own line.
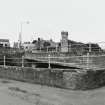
(20,93)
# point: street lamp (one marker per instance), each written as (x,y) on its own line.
(20,33)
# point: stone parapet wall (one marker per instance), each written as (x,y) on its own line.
(68,79)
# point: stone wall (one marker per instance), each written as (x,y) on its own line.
(68,79)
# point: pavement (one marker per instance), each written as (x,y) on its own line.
(21,93)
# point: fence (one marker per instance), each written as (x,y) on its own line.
(80,55)
(86,61)
(55,77)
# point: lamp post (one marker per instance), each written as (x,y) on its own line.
(21,30)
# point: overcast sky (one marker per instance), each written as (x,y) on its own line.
(83,19)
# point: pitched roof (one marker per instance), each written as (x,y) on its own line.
(4,40)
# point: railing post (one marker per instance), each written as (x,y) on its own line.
(22,61)
(47,48)
(56,48)
(69,48)
(4,61)
(90,49)
(40,49)
(49,61)
(87,61)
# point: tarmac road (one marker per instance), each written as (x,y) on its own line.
(19,93)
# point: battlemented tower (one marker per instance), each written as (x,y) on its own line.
(64,41)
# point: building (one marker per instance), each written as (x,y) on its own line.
(16,45)
(64,46)
(45,45)
(50,45)
(64,41)
(28,46)
(4,43)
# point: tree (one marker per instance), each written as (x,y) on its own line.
(34,41)
(46,44)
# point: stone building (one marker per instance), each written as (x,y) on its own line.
(4,43)
(64,41)
(16,45)
(44,45)
(28,46)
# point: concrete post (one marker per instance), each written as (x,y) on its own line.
(87,61)
(90,49)
(22,61)
(4,61)
(56,48)
(47,48)
(69,48)
(49,61)
(40,49)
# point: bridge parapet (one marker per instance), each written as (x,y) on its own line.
(88,62)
